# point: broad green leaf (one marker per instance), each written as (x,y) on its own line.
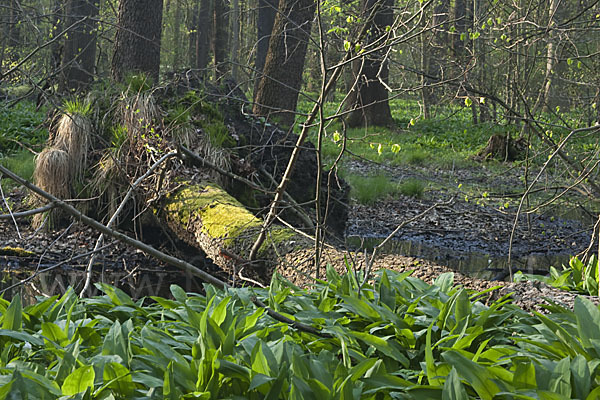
(79,381)
(118,378)
(170,390)
(178,294)
(13,317)
(52,332)
(115,343)
(23,337)
(561,378)
(580,377)
(588,320)
(432,376)
(524,376)
(445,281)
(385,347)
(474,374)
(453,389)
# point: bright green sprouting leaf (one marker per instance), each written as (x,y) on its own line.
(79,381)
(379,149)
(569,61)
(346,45)
(468,102)
(581,379)
(463,36)
(482,100)
(13,317)
(337,136)
(473,373)
(453,389)
(395,148)
(53,333)
(579,64)
(524,376)
(412,121)
(118,378)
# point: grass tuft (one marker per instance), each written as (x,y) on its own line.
(369,189)
(20,163)
(412,188)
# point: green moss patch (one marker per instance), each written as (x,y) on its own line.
(221,215)
(15,252)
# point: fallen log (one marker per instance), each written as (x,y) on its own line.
(205,216)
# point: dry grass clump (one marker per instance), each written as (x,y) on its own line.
(109,180)
(137,114)
(73,135)
(52,174)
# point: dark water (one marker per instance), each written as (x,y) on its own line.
(474,263)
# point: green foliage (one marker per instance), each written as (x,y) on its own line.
(21,163)
(576,277)
(77,107)
(118,135)
(138,82)
(368,189)
(21,124)
(412,188)
(396,338)
(417,157)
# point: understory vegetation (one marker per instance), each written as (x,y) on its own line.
(395,338)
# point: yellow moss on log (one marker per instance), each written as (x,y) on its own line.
(222,216)
(15,252)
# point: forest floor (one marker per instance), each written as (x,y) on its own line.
(455,230)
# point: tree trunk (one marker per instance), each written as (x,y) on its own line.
(192,25)
(203,30)
(278,89)
(79,55)
(267,9)
(137,42)
(369,97)
(220,47)
(235,39)
(177,42)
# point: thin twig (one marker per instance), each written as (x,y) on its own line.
(28,213)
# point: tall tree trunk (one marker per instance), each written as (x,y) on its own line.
(137,42)
(435,55)
(235,39)
(203,31)
(267,9)
(192,27)
(278,89)
(177,42)
(79,56)
(220,39)
(369,98)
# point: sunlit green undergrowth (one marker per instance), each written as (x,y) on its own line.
(448,139)
(368,189)
(390,337)
(21,163)
(21,124)
(577,277)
